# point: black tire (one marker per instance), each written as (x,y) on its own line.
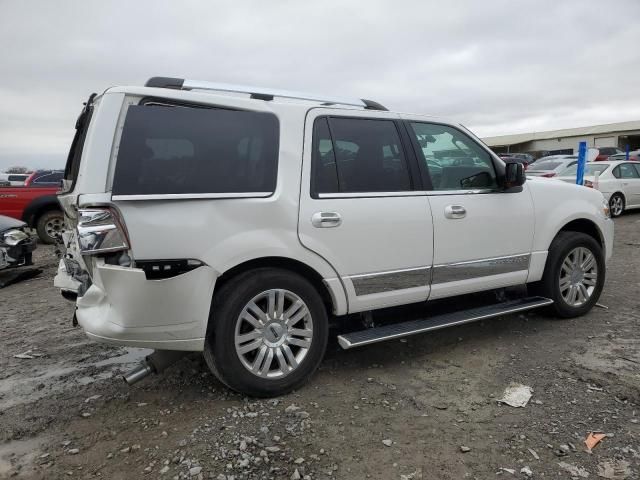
(220,352)
(614,198)
(45,226)
(549,286)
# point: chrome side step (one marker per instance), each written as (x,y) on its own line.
(404,329)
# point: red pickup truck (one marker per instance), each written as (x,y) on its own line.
(36,203)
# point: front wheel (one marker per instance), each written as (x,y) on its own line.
(574,274)
(616,204)
(267,333)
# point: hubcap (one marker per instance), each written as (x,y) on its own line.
(54,227)
(578,276)
(616,205)
(273,333)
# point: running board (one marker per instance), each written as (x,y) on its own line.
(404,329)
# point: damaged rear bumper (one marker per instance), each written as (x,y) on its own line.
(123,307)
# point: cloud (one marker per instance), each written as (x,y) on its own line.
(498,67)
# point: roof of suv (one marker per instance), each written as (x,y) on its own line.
(264,99)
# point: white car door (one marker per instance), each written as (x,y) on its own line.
(483,236)
(361,209)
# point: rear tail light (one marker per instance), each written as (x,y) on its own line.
(548,175)
(100,230)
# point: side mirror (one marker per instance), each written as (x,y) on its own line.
(514,175)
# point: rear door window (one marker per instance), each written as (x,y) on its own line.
(193,150)
(356,155)
(627,170)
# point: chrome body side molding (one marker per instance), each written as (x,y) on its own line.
(452,272)
(369,283)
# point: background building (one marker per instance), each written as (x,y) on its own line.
(566,141)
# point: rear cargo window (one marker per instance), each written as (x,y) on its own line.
(191,150)
(75,152)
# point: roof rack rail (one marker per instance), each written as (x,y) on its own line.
(258,93)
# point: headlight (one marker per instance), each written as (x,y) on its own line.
(14,237)
(100,231)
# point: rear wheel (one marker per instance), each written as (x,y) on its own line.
(267,333)
(616,204)
(574,274)
(50,226)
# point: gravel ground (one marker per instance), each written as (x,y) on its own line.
(421,408)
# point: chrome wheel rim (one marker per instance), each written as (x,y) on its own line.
(273,333)
(578,276)
(616,205)
(54,227)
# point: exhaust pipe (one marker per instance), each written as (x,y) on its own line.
(138,373)
(157,362)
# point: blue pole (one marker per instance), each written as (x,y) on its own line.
(582,159)
(627,153)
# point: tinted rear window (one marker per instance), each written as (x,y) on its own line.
(183,150)
(354,155)
(17,178)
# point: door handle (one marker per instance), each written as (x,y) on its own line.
(326,219)
(455,211)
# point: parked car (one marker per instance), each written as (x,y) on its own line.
(634,155)
(528,158)
(16,245)
(14,179)
(238,224)
(619,182)
(36,204)
(552,167)
(605,152)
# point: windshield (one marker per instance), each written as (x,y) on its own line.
(590,169)
(546,165)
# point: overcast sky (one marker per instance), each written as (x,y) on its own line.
(497,66)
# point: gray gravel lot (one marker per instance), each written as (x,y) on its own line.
(424,407)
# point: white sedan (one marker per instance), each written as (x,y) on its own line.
(619,182)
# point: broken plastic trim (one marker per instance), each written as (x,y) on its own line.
(160,269)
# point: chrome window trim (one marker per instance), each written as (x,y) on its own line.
(391,280)
(192,196)
(412,193)
(472,269)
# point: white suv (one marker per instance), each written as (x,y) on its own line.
(236,221)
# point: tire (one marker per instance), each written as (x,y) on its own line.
(225,344)
(568,246)
(50,226)
(616,205)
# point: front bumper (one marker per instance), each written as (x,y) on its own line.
(123,307)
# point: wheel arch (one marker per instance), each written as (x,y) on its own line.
(38,206)
(327,292)
(586,226)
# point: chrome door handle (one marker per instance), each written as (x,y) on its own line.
(326,219)
(455,211)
